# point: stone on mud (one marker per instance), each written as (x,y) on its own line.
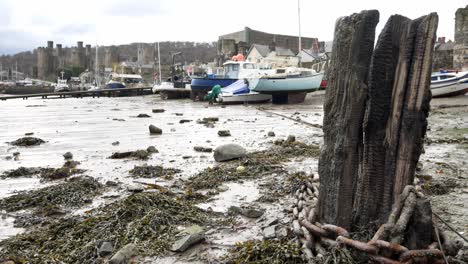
(269,232)
(68,155)
(224,133)
(135,188)
(155,130)
(202,149)
(143,116)
(271,134)
(152,149)
(124,255)
(229,152)
(187,241)
(105,249)
(27,141)
(158,110)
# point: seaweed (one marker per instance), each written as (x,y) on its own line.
(148,171)
(148,219)
(264,252)
(256,165)
(73,193)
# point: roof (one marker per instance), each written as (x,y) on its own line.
(445,46)
(262,49)
(284,52)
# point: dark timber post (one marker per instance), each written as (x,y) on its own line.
(375,107)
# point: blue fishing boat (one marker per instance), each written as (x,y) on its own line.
(239,92)
(233,71)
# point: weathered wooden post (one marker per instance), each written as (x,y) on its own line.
(375,116)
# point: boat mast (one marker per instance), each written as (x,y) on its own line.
(96,66)
(159,64)
(1,71)
(300,39)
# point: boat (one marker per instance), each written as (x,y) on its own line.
(239,92)
(234,70)
(118,80)
(61,85)
(448,83)
(287,80)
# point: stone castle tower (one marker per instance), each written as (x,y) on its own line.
(460,50)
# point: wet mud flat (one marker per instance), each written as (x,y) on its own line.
(149,206)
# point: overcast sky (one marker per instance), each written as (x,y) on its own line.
(26,24)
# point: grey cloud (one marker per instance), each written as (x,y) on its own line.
(75,29)
(136,8)
(15,41)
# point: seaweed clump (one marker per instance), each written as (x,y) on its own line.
(264,252)
(73,193)
(27,141)
(148,219)
(148,171)
(21,172)
(254,165)
(46,174)
(137,154)
(280,187)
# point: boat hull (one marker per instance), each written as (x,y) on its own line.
(114,85)
(450,89)
(286,85)
(251,97)
(205,84)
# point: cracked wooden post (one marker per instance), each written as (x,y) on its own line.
(344,107)
(375,107)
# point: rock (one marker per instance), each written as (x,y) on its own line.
(269,232)
(173,130)
(179,114)
(143,116)
(115,143)
(224,133)
(105,249)
(124,254)
(291,138)
(158,110)
(246,211)
(271,221)
(186,157)
(16,154)
(229,152)
(152,149)
(68,155)
(140,154)
(211,119)
(282,232)
(111,183)
(251,212)
(184,121)
(202,149)
(187,241)
(240,169)
(135,188)
(271,134)
(29,134)
(27,141)
(155,130)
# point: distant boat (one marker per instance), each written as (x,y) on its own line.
(117,80)
(449,83)
(287,80)
(239,92)
(61,85)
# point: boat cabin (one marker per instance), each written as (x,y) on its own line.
(126,78)
(240,69)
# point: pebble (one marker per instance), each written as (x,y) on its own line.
(158,110)
(187,241)
(269,232)
(224,133)
(271,134)
(155,130)
(105,249)
(124,254)
(68,155)
(143,116)
(152,149)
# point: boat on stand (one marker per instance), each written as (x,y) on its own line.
(448,83)
(287,85)
(239,93)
